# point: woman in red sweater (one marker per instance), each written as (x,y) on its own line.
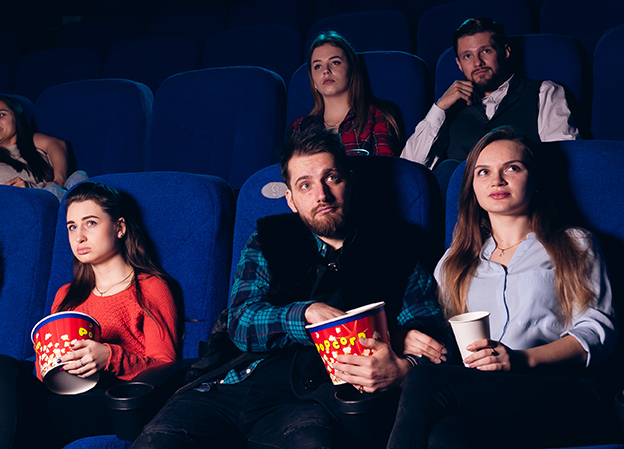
(116,282)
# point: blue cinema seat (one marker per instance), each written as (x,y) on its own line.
(586,176)
(275,47)
(195,23)
(45,68)
(437,24)
(397,77)
(539,57)
(226,122)
(606,120)
(27,224)
(583,20)
(103,121)
(385,186)
(98,34)
(151,60)
(189,218)
(367,30)
(298,14)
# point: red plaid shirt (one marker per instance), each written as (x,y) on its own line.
(378,137)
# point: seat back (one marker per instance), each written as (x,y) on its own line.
(437,24)
(98,34)
(195,23)
(45,68)
(275,47)
(608,73)
(27,223)
(385,186)
(397,77)
(586,193)
(151,60)
(367,30)
(581,20)
(539,57)
(226,122)
(104,122)
(298,14)
(189,219)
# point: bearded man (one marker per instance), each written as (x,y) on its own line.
(491,96)
(299,269)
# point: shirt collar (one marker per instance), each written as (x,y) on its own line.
(498,95)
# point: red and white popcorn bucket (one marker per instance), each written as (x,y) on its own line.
(341,335)
(53,337)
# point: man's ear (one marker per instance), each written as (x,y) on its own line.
(290,201)
(507,52)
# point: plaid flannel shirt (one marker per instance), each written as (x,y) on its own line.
(258,326)
(378,137)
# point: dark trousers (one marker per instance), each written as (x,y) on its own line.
(32,416)
(455,407)
(260,412)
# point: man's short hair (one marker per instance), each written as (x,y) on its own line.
(481,25)
(308,142)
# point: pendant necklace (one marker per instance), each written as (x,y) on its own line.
(102,293)
(502,250)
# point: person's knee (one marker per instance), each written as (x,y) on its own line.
(155,436)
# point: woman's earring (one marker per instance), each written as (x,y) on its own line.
(120,235)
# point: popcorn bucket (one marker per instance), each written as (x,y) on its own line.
(52,338)
(340,335)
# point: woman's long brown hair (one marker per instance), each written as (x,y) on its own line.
(360,95)
(473,228)
(134,247)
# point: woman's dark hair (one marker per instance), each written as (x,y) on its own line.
(133,246)
(35,163)
(473,228)
(360,95)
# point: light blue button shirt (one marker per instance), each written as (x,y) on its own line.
(523,303)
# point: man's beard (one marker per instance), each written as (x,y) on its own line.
(331,225)
(488,85)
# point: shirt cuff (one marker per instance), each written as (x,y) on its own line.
(296,323)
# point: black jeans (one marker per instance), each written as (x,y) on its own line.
(455,407)
(32,416)
(260,412)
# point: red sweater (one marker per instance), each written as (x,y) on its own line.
(135,340)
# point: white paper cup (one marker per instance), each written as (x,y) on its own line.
(470,327)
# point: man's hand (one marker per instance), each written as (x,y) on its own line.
(422,345)
(17,182)
(320,311)
(459,90)
(379,372)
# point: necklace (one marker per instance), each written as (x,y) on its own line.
(502,250)
(329,125)
(102,293)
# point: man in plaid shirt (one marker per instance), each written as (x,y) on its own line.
(299,269)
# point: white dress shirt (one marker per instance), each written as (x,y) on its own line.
(523,303)
(554,120)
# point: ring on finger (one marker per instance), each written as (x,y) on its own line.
(82,364)
(494,353)
(361,389)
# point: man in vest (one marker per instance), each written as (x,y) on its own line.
(489,97)
(295,270)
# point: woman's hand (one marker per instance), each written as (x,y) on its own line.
(422,345)
(87,357)
(17,182)
(490,355)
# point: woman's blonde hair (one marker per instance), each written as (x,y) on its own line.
(473,228)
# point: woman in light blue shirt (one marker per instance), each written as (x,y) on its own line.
(533,383)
